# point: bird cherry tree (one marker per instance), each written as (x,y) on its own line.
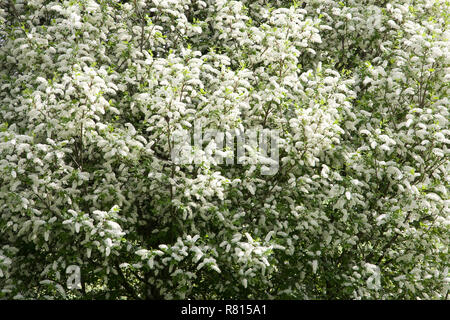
(95,95)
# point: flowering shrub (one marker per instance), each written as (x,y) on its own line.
(93,95)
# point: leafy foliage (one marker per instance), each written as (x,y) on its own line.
(93,92)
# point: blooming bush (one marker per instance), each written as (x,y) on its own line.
(94,93)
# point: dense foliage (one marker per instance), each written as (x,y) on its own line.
(92,94)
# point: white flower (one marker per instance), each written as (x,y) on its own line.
(314,265)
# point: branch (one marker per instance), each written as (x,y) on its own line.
(125,283)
